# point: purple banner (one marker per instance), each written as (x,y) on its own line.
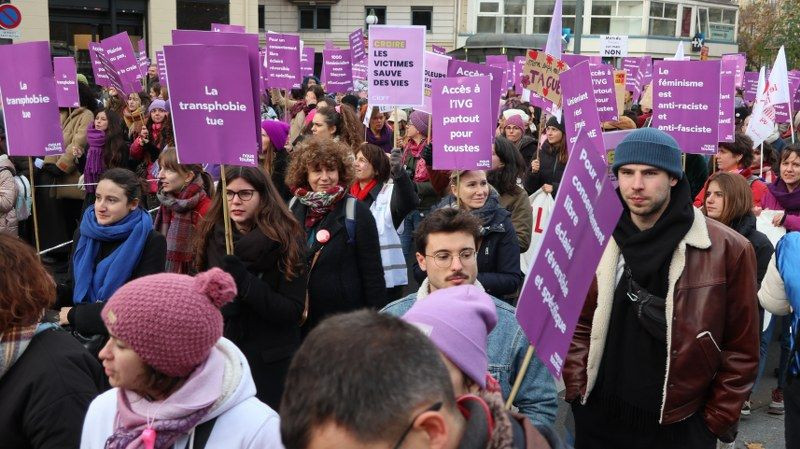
(516,71)
(119,54)
(262,71)
(211,108)
(572,59)
(750,86)
(604,93)
(463,123)
(28,92)
(225,28)
(794,78)
(114,79)
(329,45)
(586,211)
(358,53)
(457,68)
(438,50)
(435,67)
(782,111)
(283,60)
(645,70)
(580,107)
(337,73)
(161,66)
(359,72)
(66,76)
(501,62)
(631,65)
(727,91)
(100,75)
(307,62)
(144,61)
(686,103)
(739,61)
(247,40)
(395,73)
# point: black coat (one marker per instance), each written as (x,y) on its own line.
(404,198)
(264,318)
(46,393)
(346,276)
(550,171)
(85,318)
(498,255)
(746,226)
(527,146)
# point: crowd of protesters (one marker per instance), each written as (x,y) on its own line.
(147,331)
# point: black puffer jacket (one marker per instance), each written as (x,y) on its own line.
(550,171)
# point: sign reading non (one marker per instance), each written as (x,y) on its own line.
(613,46)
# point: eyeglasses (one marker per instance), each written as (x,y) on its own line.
(244,195)
(444,259)
(433,408)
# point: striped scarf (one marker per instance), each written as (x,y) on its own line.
(175,221)
(13,343)
(319,204)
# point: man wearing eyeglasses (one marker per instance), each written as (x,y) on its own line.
(447,241)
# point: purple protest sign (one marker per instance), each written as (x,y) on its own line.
(329,45)
(114,79)
(496,60)
(645,70)
(144,61)
(463,123)
(572,59)
(247,40)
(161,66)
(604,93)
(727,89)
(631,65)
(586,211)
(457,68)
(307,62)
(580,107)
(750,86)
(438,50)
(686,103)
(783,111)
(100,75)
(794,79)
(501,62)
(337,73)
(358,53)
(225,28)
(516,71)
(119,54)
(435,67)
(394,69)
(613,138)
(28,92)
(211,109)
(66,76)
(739,61)
(262,70)
(283,60)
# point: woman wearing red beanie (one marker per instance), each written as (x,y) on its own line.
(176,382)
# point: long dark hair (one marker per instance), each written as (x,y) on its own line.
(165,136)
(504,179)
(87,98)
(273,219)
(115,150)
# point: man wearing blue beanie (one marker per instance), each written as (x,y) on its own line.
(666,349)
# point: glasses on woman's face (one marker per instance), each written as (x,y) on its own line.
(443,259)
(244,195)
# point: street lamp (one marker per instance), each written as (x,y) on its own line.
(371,19)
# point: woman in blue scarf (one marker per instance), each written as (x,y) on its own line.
(114,243)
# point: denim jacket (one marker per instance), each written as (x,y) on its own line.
(507,345)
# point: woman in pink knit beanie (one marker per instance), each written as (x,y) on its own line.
(176,380)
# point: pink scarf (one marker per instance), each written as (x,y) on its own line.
(172,417)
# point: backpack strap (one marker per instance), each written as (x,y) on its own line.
(201,434)
(350,219)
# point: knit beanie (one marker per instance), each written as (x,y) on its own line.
(508,113)
(420,121)
(157,104)
(82,79)
(649,146)
(277,131)
(458,320)
(553,121)
(516,120)
(170,320)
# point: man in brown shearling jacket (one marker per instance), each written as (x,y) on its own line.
(666,349)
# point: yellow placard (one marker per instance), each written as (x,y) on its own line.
(619,90)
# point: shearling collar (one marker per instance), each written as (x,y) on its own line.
(425,287)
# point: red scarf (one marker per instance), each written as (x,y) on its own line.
(360,193)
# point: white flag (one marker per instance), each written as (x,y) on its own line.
(679,56)
(762,121)
(777,88)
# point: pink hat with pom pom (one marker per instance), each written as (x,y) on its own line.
(170,320)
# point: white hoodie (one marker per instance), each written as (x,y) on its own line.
(243,422)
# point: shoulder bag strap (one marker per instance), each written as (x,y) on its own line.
(201,434)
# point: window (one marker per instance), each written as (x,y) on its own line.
(379,11)
(422,15)
(543,11)
(617,17)
(686,21)
(318,18)
(663,19)
(200,14)
(506,16)
(261,16)
(721,24)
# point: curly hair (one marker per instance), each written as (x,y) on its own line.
(23,299)
(318,152)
